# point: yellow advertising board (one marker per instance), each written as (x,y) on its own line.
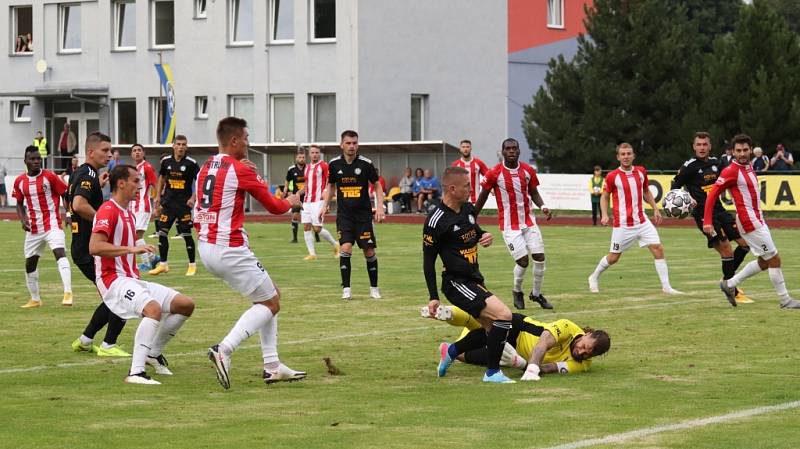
(778,192)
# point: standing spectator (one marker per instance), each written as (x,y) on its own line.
(596,189)
(417,187)
(783,160)
(41,143)
(3,194)
(727,158)
(760,162)
(406,188)
(429,189)
(67,144)
(114,160)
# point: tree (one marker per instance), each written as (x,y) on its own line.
(789,10)
(713,18)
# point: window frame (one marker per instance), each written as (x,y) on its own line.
(551,14)
(423,116)
(116,102)
(14,16)
(312,122)
(153,44)
(62,8)
(232,108)
(273,27)
(15,116)
(232,26)
(200,13)
(116,29)
(201,107)
(272,116)
(312,29)
(152,107)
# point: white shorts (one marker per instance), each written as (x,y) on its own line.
(142,220)
(310,213)
(127,296)
(34,244)
(522,242)
(760,243)
(623,237)
(239,268)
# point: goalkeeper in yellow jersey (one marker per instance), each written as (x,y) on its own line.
(536,347)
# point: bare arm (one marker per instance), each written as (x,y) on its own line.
(159,191)
(539,202)
(546,341)
(82,207)
(378,202)
(481,201)
(23,217)
(604,208)
(100,246)
(648,197)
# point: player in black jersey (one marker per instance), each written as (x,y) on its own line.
(697,176)
(296,180)
(350,176)
(451,232)
(84,197)
(174,200)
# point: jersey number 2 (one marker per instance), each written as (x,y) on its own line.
(208,191)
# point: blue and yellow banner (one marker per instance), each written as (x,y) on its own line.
(168,83)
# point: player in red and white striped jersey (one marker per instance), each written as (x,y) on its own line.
(142,206)
(113,245)
(740,179)
(38,193)
(629,189)
(316,174)
(515,188)
(219,218)
(476,168)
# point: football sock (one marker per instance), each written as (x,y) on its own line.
(269,343)
(776,276)
(372,270)
(738,256)
(462,319)
(538,277)
(115,326)
(344,267)
(663,272)
(163,246)
(316,236)
(85,340)
(601,267)
(189,247)
(751,269)
(105,345)
(98,320)
(168,327)
(476,357)
(519,276)
(251,321)
(142,341)
(66,274)
(294,230)
(473,340)
(728,268)
(495,341)
(327,236)
(146,258)
(32,279)
(309,237)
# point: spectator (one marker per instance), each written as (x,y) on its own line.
(3,194)
(67,145)
(727,158)
(29,36)
(417,186)
(430,189)
(760,161)
(596,189)
(114,160)
(406,191)
(41,143)
(783,160)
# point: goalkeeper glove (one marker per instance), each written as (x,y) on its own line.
(531,372)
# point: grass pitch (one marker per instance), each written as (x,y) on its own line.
(673,359)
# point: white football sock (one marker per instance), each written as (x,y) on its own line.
(142,342)
(751,269)
(663,272)
(170,323)
(601,267)
(538,277)
(776,276)
(309,237)
(146,258)
(519,276)
(85,340)
(66,274)
(327,236)
(251,321)
(32,279)
(269,343)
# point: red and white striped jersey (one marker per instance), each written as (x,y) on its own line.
(627,194)
(117,224)
(511,190)
(476,169)
(219,211)
(147,181)
(316,181)
(742,182)
(41,195)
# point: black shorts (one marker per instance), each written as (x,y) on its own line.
(352,231)
(724,226)
(468,295)
(169,215)
(87,268)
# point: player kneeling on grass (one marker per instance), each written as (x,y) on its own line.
(534,346)
(113,244)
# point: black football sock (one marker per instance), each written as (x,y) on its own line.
(316,236)
(189,247)
(495,341)
(98,320)
(115,326)
(475,339)
(728,269)
(344,267)
(372,270)
(476,357)
(294,230)
(738,256)
(163,245)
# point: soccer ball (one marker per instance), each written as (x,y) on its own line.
(677,204)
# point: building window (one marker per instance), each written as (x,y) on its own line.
(158,110)
(241,106)
(201,107)
(22,30)
(281,127)
(240,22)
(323,118)
(125,114)
(419,105)
(282,21)
(162,14)
(555,13)
(125,25)
(21,111)
(69,24)
(200,9)
(323,20)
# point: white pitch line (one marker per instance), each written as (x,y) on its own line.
(690,424)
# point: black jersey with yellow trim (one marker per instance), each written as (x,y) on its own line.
(352,186)
(179,177)
(698,177)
